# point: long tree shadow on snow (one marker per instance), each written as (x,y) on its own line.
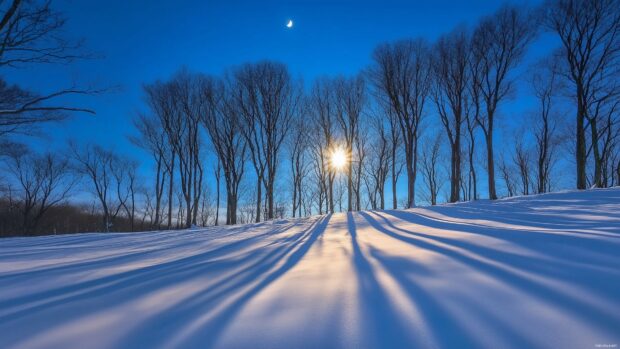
(552,210)
(510,269)
(533,238)
(379,320)
(177,268)
(200,320)
(126,288)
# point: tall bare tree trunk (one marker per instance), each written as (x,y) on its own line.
(259,197)
(580,150)
(455,168)
(350,181)
(499,43)
(394,178)
(269,187)
(158,191)
(331,193)
(598,163)
(217,193)
(411,172)
(171,190)
(589,33)
(490,165)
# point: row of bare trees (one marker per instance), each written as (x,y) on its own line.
(267,140)
(466,74)
(245,115)
(585,71)
(589,57)
(40,183)
(33,184)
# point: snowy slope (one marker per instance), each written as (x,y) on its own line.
(540,271)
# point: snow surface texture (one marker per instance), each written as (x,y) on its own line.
(530,272)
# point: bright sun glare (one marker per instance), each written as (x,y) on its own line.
(339,158)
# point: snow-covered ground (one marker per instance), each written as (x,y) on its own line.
(532,272)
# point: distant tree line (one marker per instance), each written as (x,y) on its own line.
(255,143)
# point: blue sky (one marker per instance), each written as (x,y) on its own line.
(142,41)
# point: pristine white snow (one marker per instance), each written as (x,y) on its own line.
(539,271)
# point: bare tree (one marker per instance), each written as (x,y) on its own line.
(309,198)
(544,81)
(322,175)
(451,81)
(378,164)
(152,138)
(44,181)
(350,99)
(206,212)
(147,208)
(401,77)
(181,213)
(323,110)
(21,110)
(613,160)
(298,143)
(222,121)
(430,171)
(170,164)
(95,164)
(360,151)
(178,104)
(590,35)
(247,210)
(609,137)
(507,175)
(472,182)
(267,98)
(125,176)
(498,45)
(217,173)
(522,160)
(395,156)
(30,34)
(187,93)
(603,121)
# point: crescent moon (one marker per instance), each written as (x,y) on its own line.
(289,24)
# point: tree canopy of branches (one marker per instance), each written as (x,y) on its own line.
(222,122)
(97,165)
(321,106)
(152,138)
(590,36)
(401,75)
(350,98)
(379,163)
(179,104)
(499,43)
(267,98)
(450,87)
(44,181)
(431,175)
(31,33)
(544,81)
(298,143)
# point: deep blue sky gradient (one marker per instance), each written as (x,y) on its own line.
(142,41)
